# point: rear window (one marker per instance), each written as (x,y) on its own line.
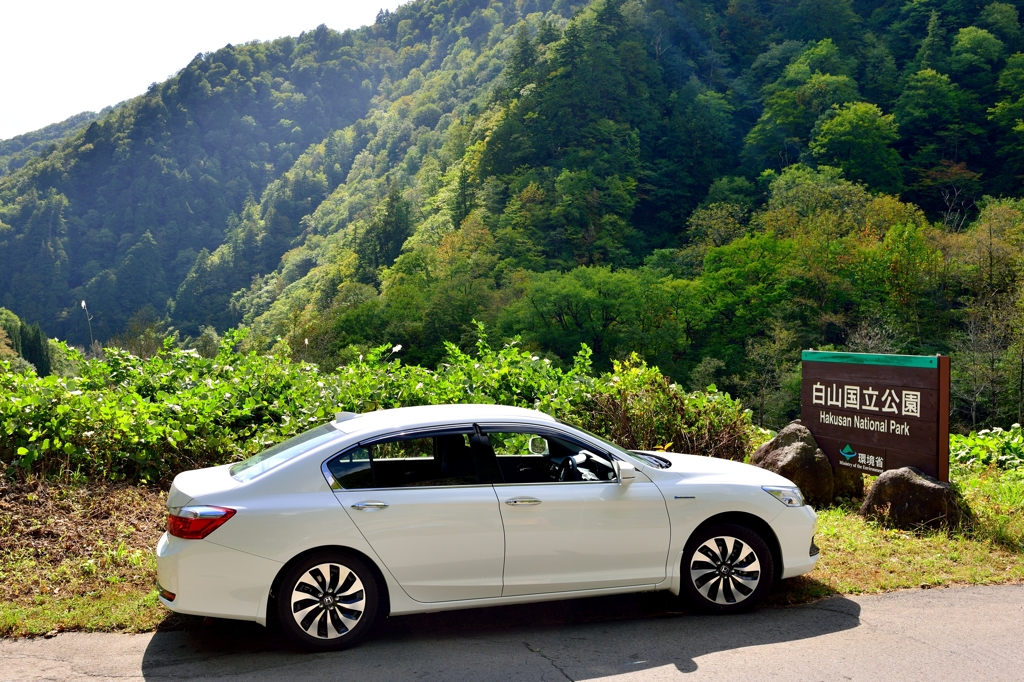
(249,469)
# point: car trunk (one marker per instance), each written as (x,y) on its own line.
(198,484)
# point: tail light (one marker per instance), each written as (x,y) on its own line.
(195,523)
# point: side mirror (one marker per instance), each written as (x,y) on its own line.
(538,446)
(624,472)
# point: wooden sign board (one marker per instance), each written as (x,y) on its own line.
(872,413)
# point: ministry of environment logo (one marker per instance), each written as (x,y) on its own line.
(848,452)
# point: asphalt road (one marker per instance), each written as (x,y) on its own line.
(974,633)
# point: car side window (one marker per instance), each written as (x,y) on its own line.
(541,457)
(434,459)
(351,469)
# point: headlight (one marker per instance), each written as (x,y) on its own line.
(790,497)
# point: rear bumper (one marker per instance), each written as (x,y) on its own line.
(210,580)
(794,528)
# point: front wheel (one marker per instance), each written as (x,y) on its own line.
(328,601)
(727,568)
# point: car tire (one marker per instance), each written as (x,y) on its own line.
(727,568)
(328,601)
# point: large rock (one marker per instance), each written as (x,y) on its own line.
(793,453)
(847,483)
(908,499)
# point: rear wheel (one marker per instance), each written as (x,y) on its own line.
(328,601)
(727,568)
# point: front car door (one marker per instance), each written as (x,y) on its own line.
(424,506)
(569,524)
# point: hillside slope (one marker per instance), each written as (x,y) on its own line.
(119,213)
(16,152)
(712,185)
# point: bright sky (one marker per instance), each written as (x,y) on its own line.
(60,57)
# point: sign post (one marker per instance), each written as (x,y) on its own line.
(871,413)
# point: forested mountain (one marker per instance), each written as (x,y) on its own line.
(712,185)
(15,152)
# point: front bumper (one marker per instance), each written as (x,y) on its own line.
(794,528)
(210,580)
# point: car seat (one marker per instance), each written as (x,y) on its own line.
(456,456)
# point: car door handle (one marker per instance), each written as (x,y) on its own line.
(522,501)
(370,505)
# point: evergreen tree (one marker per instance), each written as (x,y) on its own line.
(140,277)
(521,61)
(933,51)
(35,349)
(880,78)
(381,242)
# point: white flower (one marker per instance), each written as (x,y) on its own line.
(396,348)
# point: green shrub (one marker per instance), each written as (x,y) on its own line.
(127,418)
(639,408)
(1004,449)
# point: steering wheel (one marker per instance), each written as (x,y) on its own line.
(568,471)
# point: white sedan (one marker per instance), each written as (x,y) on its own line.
(456,506)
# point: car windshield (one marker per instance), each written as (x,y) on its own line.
(248,469)
(611,446)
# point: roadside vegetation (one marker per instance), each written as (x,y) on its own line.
(86,458)
(138,420)
(860,556)
(78,557)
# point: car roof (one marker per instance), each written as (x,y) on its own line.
(430,415)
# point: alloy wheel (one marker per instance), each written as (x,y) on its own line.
(725,570)
(328,601)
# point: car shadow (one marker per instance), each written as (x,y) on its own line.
(574,639)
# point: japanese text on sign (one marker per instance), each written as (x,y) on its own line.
(852,397)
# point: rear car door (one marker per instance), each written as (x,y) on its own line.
(574,531)
(427,509)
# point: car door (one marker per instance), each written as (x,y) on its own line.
(423,505)
(574,531)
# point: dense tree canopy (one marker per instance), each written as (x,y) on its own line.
(711,184)
(17,151)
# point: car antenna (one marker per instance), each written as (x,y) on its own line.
(345,416)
